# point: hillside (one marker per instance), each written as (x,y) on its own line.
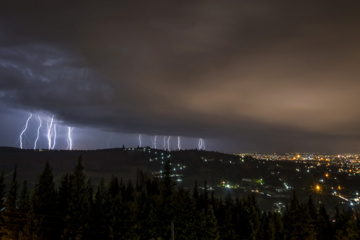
(271,181)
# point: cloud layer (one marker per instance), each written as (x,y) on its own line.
(256,75)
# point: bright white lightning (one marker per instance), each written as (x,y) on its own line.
(69,137)
(139,140)
(54,142)
(164,143)
(168,143)
(49,127)
(179,143)
(201,144)
(25,128)
(38,132)
(155,141)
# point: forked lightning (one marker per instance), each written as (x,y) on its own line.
(23,131)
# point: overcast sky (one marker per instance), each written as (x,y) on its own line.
(245,76)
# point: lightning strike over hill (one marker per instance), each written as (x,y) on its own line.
(49,127)
(168,143)
(69,138)
(54,142)
(201,144)
(23,131)
(38,132)
(179,143)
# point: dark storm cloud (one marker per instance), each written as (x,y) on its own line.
(263,75)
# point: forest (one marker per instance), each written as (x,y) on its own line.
(154,208)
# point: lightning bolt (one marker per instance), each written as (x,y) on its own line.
(49,126)
(139,140)
(168,143)
(69,138)
(179,143)
(38,132)
(54,142)
(25,128)
(201,144)
(155,141)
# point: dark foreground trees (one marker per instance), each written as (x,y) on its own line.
(149,207)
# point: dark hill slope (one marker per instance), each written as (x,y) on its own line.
(225,173)
(97,163)
(189,165)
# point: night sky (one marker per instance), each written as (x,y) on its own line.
(245,76)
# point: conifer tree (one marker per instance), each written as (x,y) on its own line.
(113,188)
(208,228)
(293,219)
(24,200)
(11,217)
(267,227)
(43,198)
(2,197)
(185,221)
(311,209)
(100,212)
(254,217)
(279,226)
(308,222)
(227,228)
(76,221)
(24,206)
(2,190)
(165,207)
(195,192)
(167,182)
(323,226)
(41,219)
(345,227)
